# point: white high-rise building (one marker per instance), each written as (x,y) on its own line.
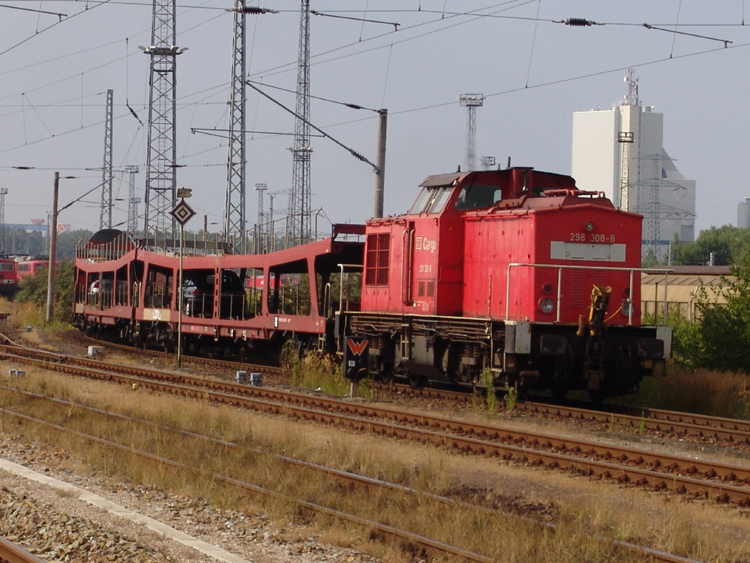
(649,183)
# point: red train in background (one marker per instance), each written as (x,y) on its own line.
(8,276)
(513,273)
(30,265)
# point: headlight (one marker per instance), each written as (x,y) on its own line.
(546,305)
(627,308)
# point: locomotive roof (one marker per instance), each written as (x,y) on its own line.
(441,180)
(517,173)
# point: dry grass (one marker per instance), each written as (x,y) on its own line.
(317,372)
(24,314)
(689,529)
(701,391)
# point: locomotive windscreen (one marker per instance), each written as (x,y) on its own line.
(478,196)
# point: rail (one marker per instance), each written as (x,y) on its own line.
(434,546)
(13,553)
(561,267)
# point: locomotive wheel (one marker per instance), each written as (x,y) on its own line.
(386,377)
(416,381)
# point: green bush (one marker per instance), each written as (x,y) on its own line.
(34,290)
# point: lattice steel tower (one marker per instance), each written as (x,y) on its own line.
(161,171)
(235,208)
(132,200)
(300,200)
(105,214)
(471,102)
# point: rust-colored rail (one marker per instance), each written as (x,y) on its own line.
(12,553)
(682,425)
(435,548)
(349,477)
(626,465)
(228,365)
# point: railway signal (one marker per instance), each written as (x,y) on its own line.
(182,213)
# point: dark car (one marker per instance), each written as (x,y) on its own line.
(198,294)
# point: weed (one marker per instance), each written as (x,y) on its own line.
(511,397)
(318,372)
(488,382)
(642,427)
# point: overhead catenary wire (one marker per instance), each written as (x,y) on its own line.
(345,104)
(533,41)
(59,22)
(351,151)
(58,14)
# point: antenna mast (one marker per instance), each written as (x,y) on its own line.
(105,214)
(298,226)
(631,98)
(471,102)
(161,160)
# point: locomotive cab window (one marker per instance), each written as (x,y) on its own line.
(431,200)
(478,196)
(439,200)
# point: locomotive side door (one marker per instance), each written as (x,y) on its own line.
(407,270)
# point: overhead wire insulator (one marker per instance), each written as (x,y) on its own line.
(578,22)
(257,10)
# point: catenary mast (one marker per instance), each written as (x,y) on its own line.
(298,225)
(235,208)
(105,214)
(161,160)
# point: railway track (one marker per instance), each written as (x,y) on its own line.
(724,483)
(198,361)
(348,478)
(663,422)
(12,553)
(695,427)
(435,548)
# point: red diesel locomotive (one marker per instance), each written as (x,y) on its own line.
(511,273)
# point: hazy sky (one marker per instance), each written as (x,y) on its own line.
(534,74)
